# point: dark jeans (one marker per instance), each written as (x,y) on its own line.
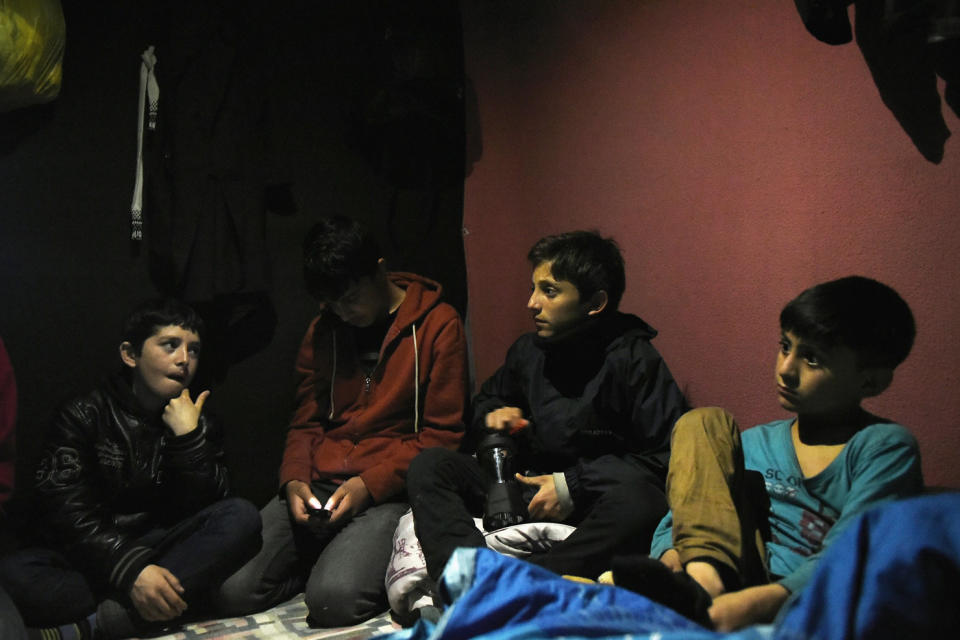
(11,626)
(201,551)
(624,504)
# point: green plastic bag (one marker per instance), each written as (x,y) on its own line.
(32,36)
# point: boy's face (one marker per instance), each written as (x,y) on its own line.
(165,366)
(555,304)
(814,380)
(364,302)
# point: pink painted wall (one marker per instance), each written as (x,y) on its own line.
(737,160)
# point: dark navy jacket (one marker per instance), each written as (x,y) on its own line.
(604,391)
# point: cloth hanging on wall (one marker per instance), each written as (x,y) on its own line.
(205,162)
(826,20)
(207,170)
(148,99)
(907,45)
(904,47)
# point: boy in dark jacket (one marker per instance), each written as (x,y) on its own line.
(131,495)
(382,374)
(597,403)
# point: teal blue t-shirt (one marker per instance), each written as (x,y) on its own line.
(879,463)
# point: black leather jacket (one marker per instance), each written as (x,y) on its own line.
(109,473)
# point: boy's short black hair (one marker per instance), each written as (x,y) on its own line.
(856,312)
(592,263)
(147,317)
(337,251)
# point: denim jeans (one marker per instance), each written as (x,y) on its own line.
(342,571)
(200,551)
(11,625)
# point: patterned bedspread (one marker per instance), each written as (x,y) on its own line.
(284,622)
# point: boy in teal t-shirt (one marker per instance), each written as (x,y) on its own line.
(731,550)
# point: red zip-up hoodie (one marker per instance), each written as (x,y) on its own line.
(348,424)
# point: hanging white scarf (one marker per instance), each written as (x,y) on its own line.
(149,89)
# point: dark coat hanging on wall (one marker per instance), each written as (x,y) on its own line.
(208,168)
(206,165)
(907,45)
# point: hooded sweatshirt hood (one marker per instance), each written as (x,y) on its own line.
(422,295)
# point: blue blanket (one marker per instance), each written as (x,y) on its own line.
(895,573)
(496,597)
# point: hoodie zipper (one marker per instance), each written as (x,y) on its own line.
(368,378)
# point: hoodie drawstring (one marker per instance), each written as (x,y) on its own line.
(416,380)
(333,372)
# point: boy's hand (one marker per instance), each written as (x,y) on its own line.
(156,594)
(545,505)
(349,499)
(506,418)
(737,609)
(183,414)
(299,496)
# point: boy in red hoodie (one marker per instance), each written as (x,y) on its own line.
(382,375)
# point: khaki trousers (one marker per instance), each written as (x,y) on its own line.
(720,511)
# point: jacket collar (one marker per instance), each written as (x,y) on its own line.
(122,391)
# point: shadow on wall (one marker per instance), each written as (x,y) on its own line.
(907,44)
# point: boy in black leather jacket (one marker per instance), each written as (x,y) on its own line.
(130,498)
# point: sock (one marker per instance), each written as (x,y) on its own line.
(81,630)
(655,580)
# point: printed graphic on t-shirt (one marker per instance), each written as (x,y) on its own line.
(807,519)
(782,485)
(814,528)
